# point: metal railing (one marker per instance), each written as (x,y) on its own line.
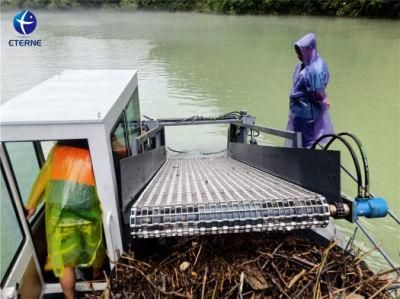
(294,137)
(157,132)
(149,134)
(197,121)
(245,122)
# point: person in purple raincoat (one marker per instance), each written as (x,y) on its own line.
(309,104)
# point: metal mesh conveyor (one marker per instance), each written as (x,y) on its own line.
(221,195)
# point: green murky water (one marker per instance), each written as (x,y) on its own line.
(208,65)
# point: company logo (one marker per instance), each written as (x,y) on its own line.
(25,22)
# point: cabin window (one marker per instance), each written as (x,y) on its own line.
(132,114)
(25,165)
(46,147)
(12,235)
(118,139)
(119,146)
(125,131)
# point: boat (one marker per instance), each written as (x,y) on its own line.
(150,192)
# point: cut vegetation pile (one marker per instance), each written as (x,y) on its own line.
(247,266)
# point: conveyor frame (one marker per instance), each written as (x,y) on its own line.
(197,196)
(147,219)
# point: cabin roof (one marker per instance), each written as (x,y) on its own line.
(73,96)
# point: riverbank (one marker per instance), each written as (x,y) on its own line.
(356,8)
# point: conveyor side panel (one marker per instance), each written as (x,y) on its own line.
(315,170)
(137,171)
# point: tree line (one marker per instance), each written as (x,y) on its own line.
(342,8)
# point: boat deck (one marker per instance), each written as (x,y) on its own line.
(197,196)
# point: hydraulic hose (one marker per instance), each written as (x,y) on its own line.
(352,153)
(232,114)
(363,156)
(176,151)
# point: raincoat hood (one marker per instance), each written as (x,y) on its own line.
(308,47)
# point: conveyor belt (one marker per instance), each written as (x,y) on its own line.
(221,195)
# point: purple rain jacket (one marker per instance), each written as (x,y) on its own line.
(309,105)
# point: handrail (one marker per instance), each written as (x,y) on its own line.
(109,221)
(189,122)
(151,133)
(243,121)
(295,137)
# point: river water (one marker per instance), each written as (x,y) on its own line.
(199,64)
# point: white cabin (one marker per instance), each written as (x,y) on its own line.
(96,105)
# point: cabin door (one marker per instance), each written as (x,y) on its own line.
(20,270)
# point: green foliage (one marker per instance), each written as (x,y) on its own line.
(174,5)
(62,4)
(128,4)
(350,8)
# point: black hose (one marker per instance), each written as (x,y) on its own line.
(352,153)
(194,117)
(213,153)
(363,156)
(176,151)
(232,114)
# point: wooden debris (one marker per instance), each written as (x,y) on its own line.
(296,278)
(246,266)
(184,266)
(255,278)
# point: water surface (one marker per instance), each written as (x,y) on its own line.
(198,64)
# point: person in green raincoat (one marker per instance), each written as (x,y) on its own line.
(72,212)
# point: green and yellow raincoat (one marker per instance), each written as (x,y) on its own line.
(72,209)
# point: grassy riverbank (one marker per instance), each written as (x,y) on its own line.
(353,8)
